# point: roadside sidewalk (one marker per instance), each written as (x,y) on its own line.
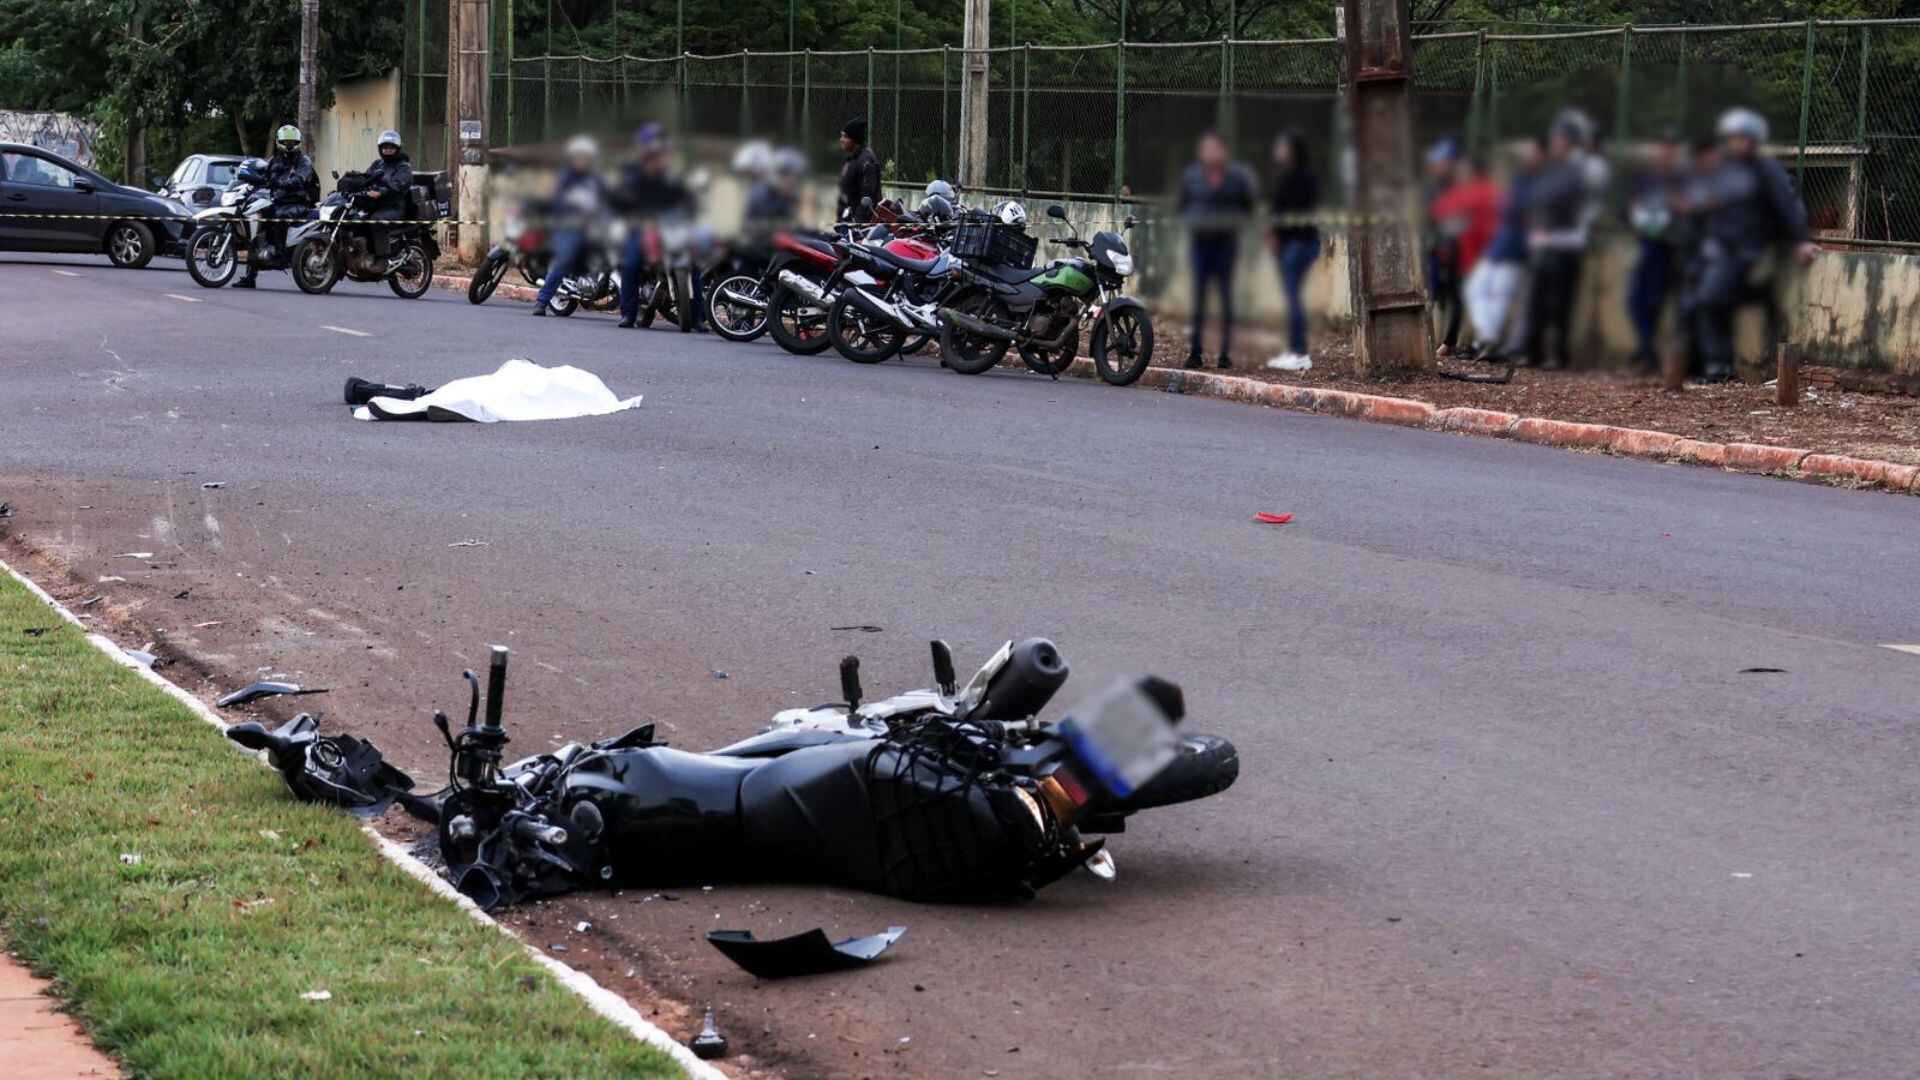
(37,1040)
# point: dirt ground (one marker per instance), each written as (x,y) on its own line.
(1828,420)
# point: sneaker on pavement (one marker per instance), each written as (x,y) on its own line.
(1290,361)
(539,310)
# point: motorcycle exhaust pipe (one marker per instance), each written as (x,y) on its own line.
(879,308)
(735,296)
(804,286)
(974,326)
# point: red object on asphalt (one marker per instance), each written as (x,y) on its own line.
(1265,518)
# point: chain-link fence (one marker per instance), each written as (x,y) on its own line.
(1102,120)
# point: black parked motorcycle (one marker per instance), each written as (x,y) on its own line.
(340,244)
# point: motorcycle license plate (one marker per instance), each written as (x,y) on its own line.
(1122,737)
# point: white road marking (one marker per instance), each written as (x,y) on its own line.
(182,299)
(344,330)
(1914,649)
(66,273)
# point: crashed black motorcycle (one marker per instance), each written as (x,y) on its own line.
(947,794)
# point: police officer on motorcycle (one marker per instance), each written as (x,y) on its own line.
(389,191)
(1745,208)
(295,187)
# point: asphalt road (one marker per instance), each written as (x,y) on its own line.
(1510,805)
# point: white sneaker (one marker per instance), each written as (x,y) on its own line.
(1290,361)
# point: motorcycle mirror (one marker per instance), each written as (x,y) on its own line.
(1057,211)
(943,676)
(473,698)
(336,174)
(850,681)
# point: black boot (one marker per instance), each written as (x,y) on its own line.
(1195,360)
(539,310)
(627,321)
(1224,362)
(245,282)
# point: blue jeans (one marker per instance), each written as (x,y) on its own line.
(632,258)
(1647,296)
(1295,257)
(1213,262)
(566,258)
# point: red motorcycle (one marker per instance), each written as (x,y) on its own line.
(807,274)
(524,247)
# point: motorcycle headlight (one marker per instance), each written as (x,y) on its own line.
(1122,264)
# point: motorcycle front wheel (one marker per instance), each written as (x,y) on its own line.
(860,336)
(487,278)
(684,304)
(973,354)
(211,260)
(737,308)
(797,323)
(414,276)
(315,269)
(1122,346)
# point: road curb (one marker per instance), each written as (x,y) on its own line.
(1490,423)
(598,999)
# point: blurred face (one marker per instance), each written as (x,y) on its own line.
(1531,155)
(1213,152)
(387,150)
(847,145)
(1666,154)
(1559,146)
(1740,145)
(1439,171)
(581,162)
(1283,153)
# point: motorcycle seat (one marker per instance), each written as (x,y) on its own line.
(912,266)
(1011,275)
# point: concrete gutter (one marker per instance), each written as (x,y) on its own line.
(1410,412)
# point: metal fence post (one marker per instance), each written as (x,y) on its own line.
(546,76)
(580,85)
(806,97)
(896,84)
(1220,106)
(419,81)
(869,84)
(746,109)
(1624,105)
(1478,103)
(1860,109)
(1684,48)
(1119,115)
(1492,109)
(509,21)
(946,136)
(1806,100)
(1026,111)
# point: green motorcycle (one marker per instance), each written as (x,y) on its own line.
(1042,311)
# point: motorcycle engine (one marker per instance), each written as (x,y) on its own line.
(1051,318)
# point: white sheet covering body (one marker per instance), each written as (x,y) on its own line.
(520,390)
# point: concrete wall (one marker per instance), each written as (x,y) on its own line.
(1851,309)
(350,128)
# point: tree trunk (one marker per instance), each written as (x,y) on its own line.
(239,131)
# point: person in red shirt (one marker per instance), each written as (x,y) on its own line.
(1466,212)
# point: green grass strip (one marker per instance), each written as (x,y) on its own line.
(191,961)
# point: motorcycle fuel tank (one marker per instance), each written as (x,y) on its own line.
(1068,276)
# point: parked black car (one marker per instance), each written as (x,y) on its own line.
(200,178)
(127,225)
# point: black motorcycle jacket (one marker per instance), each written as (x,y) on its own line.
(859,179)
(651,193)
(292,180)
(389,181)
(1748,205)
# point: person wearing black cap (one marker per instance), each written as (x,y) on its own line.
(860,175)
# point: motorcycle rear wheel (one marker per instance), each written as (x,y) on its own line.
(414,276)
(967,353)
(315,269)
(802,335)
(732,319)
(207,269)
(487,278)
(859,336)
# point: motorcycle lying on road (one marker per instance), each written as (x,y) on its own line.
(225,235)
(1043,311)
(948,794)
(339,244)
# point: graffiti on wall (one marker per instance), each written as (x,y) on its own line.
(67,136)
